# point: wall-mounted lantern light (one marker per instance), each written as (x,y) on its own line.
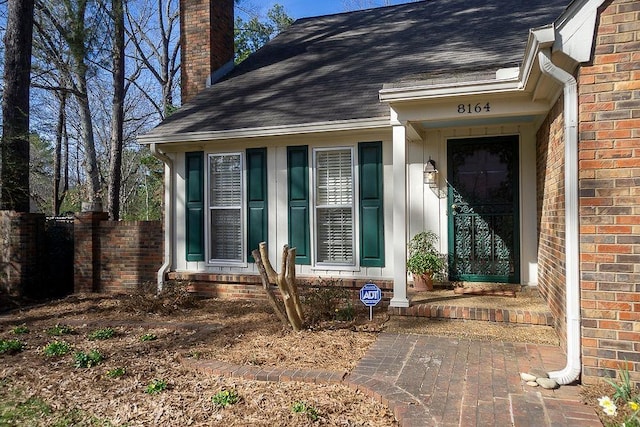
(431,174)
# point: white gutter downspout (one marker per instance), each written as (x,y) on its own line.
(168,214)
(571,372)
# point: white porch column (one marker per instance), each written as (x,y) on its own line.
(399,216)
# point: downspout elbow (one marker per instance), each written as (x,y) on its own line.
(572,370)
(168,216)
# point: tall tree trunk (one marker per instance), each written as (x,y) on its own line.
(14,148)
(117,112)
(57,157)
(77,43)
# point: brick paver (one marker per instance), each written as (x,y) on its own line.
(443,381)
(474,383)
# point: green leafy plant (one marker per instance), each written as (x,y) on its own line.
(224,398)
(148,337)
(59,330)
(424,257)
(87,360)
(11,346)
(623,389)
(101,334)
(308,410)
(56,348)
(156,386)
(116,372)
(20,330)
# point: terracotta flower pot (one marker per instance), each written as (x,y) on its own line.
(422,282)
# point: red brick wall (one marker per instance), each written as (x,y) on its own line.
(115,256)
(609,91)
(22,238)
(551,219)
(206,37)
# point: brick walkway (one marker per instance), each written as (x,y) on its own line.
(437,381)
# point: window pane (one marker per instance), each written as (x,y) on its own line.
(226,234)
(335,235)
(334,178)
(225,180)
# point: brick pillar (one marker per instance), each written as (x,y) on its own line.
(22,248)
(86,253)
(206,37)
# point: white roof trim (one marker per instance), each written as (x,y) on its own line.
(305,128)
(447,89)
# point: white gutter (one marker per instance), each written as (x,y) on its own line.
(168,214)
(571,372)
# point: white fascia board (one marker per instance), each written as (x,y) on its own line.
(420,93)
(305,128)
(575,29)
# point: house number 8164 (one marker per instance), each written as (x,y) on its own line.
(471,108)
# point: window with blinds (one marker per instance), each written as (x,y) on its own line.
(334,205)
(225,207)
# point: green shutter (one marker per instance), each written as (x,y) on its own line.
(257,214)
(298,198)
(371,204)
(194,164)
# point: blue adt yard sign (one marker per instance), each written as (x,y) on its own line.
(370,295)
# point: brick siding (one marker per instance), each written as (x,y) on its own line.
(551,221)
(206,41)
(115,256)
(609,129)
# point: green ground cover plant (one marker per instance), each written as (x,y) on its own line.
(56,349)
(11,346)
(101,334)
(87,360)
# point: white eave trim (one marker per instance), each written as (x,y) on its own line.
(415,93)
(298,129)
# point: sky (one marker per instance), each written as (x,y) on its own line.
(306,8)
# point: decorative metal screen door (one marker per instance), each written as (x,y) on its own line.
(484,241)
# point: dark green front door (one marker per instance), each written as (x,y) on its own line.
(484,240)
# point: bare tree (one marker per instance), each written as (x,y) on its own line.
(153,28)
(14,174)
(117,115)
(69,19)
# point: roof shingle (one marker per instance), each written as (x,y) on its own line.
(331,67)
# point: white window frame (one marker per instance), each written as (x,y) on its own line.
(316,264)
(225,262)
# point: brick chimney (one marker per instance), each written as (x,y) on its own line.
(206,37)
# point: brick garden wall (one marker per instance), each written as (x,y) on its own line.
(114,256)
(609,91)
(22,260)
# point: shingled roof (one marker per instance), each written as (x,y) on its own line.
(331,68)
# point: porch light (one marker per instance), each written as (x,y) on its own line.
(431,174)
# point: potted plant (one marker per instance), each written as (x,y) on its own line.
(424,261)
